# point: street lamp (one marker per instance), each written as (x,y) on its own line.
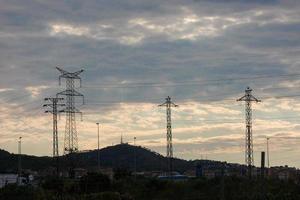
(134,143)
(19,159)
(98,152)
(268,156)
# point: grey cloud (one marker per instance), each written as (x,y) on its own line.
(252,39)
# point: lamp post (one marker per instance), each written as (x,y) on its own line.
(19,159)
(134,143)
(268,156)
(98,152)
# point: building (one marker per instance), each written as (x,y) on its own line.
(6,179)
(284,173)
(79,172)
(209,171)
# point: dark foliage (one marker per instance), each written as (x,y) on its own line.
(99,187)
(94,182)
(117,157)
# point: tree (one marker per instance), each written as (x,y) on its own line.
(94,183)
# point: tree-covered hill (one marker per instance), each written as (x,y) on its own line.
(118,156)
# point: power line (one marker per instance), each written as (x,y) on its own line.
(208,101)
(15,98)
(182,83)
(176,83)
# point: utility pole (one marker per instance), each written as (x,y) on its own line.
(168,104)
(262,168)
(19,160)
(249,98)
(268,153)
(53,104)
(262,175)
(98,152)
(71,141)
(134,144)
(222,196)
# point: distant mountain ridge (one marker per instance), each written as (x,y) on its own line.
(118,156)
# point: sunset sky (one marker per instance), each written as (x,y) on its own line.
(202,53)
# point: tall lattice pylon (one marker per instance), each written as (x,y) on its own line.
(168,104)
(70,141)
(249,98)
(53,104)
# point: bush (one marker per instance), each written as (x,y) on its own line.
(103,196)
(94,183)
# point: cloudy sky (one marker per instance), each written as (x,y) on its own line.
(203,53)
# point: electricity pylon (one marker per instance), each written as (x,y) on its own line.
(53,103)
(71,141)
(249,98)
(168,104)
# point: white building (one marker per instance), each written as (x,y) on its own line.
(8,179)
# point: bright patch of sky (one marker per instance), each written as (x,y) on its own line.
(135,53)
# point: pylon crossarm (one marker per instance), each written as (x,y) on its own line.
(255,99)
(70,93)
(164,104)
(65,74)
(242,98)
(77,73)
(69,111)
(62,71)
(173,104)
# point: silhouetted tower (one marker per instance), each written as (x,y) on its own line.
(135,168)
(121,140)
(268,153)
(249,98)
(168,104)
(71,141)
(53,103)
(19,160)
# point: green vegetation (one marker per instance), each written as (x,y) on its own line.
(118,156)
(125,187)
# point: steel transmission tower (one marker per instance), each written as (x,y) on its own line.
(53,103)
(249,98)
(168,104)
(71,141)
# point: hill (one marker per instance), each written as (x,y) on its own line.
(118,156)
(9,162)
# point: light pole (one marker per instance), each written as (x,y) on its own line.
(268,156)
(19,159)
(98,152)
(134,143)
